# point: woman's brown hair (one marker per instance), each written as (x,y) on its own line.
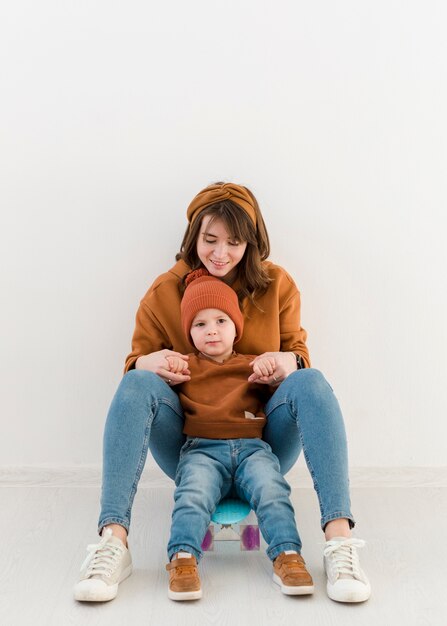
(253,278)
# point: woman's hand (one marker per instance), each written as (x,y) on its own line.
(271,368)
(171,366)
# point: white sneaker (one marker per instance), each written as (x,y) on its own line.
(346,581)
(107,564)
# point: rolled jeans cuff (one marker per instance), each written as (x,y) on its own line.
(113,520)
(184,548)
(277,550)
(338,515)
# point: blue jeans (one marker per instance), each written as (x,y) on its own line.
(303,414)
(208,469)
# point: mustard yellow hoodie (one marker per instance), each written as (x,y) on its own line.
(274,327)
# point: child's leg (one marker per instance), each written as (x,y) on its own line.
(258,480)
(201,482)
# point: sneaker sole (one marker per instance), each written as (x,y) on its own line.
(184,595)
(346,596)
(300,590)
(109,592)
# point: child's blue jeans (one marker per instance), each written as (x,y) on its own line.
(206,472)
(303,414)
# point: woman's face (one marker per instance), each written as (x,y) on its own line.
(218,252)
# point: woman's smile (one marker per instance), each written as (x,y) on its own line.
(217,250)
(219,264)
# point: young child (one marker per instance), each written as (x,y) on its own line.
(223,422)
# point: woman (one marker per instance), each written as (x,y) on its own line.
(226,234)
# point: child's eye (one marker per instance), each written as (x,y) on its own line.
(199,324)
(222,320)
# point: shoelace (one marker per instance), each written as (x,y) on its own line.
(102,557)
(344,558)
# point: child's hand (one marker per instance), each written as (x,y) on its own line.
(279,366)
(263,369)
(176,364)
(157,362)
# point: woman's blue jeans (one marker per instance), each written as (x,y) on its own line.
(208,470)
(303,414)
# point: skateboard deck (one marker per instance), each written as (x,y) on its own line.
(228,514)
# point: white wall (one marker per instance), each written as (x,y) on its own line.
(114,114)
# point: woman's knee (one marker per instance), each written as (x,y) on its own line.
(135,382)
(138,377)
(310,380)
(141,391)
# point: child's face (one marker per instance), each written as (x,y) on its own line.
(213,333)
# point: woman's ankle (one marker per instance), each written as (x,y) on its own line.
(117,531)
(337,528)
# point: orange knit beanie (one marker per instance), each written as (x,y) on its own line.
(204,291)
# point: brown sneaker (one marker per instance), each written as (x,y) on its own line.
(290,573)
(184,581)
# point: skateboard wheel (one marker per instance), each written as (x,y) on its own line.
(208,541)
(250,539)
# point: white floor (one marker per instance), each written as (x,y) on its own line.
(46,526)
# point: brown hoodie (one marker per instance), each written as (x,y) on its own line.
(219,402)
